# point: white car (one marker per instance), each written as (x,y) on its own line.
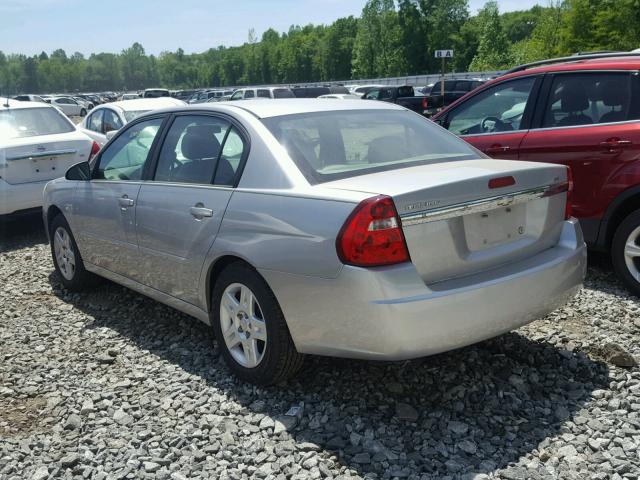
(69,106)
(111,117)
(266,92)
(362,90)
(129,96)
(30,98)
(37,144)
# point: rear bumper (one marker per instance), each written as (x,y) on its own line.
(389,313)
(25,196)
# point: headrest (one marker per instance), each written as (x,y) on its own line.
(573,98)
(200,142)
(614,93)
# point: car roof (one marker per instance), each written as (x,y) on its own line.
(608,63)
(137,104)
(18,104)
(292,106)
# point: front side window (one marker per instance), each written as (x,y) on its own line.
(94,122)
(372,95)
(237,95)
(341,144)
(31,122)
(497,109)
(125,157)
(200,150)
(589,98)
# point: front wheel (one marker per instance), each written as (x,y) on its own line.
(250,328)
(83,112)
(625,252)
(66,257)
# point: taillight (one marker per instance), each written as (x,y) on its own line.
(424,103)
(567,209)
(372,235)
(566,186)
(95,148)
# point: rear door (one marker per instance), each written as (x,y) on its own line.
(179,212)
(104,208)
(588,121)
(496,119)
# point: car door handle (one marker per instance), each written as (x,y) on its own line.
(497,149)
(201,212)
(612,143)
(125,201)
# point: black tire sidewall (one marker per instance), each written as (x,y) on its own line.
(623,231)
(268,370)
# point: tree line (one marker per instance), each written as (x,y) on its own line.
(390,38)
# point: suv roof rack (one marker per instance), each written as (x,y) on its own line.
(573,58)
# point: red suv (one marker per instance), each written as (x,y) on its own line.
(583,112)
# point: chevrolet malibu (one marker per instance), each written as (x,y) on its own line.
(328,227)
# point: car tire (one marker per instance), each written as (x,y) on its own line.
(625,252)
(66,257)
(83,112)
(247,322)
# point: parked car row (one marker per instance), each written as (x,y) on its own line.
(425,243)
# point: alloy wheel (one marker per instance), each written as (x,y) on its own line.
(65,257)
(243,325)
(632,253)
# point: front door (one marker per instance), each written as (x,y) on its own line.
(179,213)
(104,208)
(496,119)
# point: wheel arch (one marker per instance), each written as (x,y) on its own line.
(622,206)
(52,212)
(216,268)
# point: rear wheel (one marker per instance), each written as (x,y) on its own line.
(250,327)
(67,259)
(83,112)
(625,252)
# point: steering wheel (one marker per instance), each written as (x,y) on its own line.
(496,127)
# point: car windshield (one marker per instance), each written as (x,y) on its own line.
(32,122)
(131,114)
(346,143)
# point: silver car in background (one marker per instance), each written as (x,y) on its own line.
(329,227)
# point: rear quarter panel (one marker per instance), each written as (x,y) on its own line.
(283,233)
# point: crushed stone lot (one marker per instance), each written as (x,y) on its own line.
(112,385)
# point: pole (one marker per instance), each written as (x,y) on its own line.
(442,82)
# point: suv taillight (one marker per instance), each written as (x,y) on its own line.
(372,235)
(95,148)
(424,103)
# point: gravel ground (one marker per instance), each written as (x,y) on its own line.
(110,385)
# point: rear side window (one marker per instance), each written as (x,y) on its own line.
(200,150)
(249,94)
(95,121)
(283,93)
(579,99)
(341,144)
(263,93)
(111,121)
(405,91)
(31,122)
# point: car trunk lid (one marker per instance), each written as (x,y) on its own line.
(460,218)
(37,159)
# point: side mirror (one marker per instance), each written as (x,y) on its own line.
(79,172)
(110,134)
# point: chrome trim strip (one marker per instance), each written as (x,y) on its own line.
(475,206)
(52,153)
(491,133)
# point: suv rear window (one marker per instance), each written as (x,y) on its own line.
(347,143)
(32,122)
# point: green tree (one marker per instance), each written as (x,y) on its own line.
(493,48)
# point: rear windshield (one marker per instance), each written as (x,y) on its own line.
(31,122)
(341,144)
(130,115)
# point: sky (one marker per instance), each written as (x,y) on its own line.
(33,26)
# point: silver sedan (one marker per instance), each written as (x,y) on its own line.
(330,227)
